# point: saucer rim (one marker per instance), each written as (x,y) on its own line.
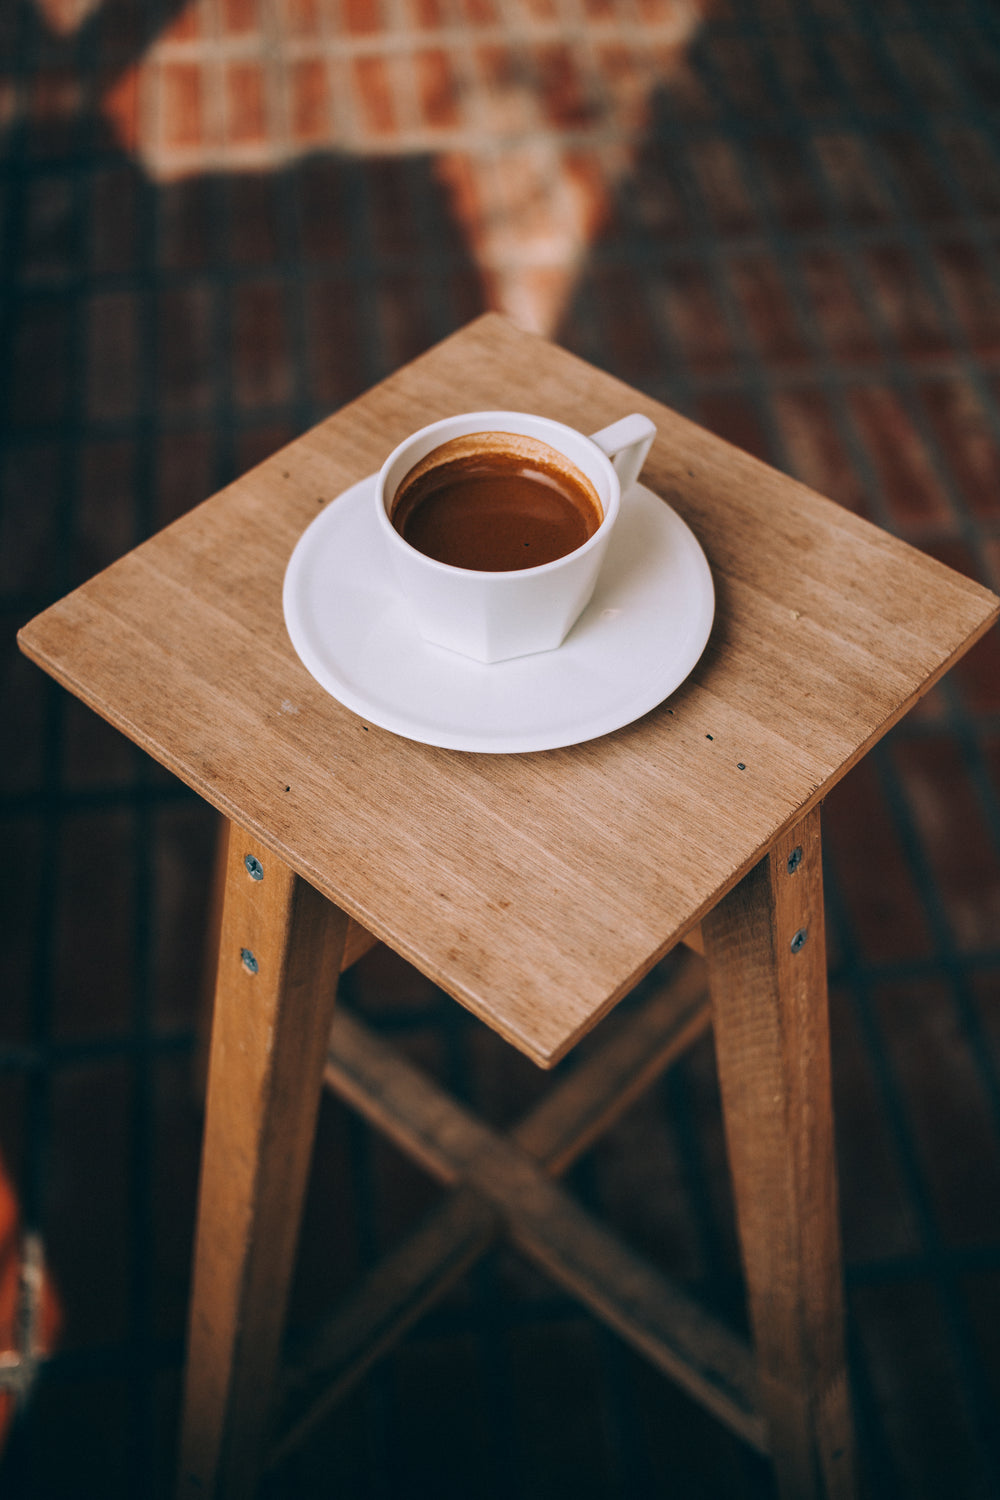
(468,739)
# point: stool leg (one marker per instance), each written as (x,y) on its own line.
(280,954)
(766,954)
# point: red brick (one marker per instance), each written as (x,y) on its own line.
(262,373)
(955,838)
(182,125)
(184,343)
(878,1221)
(428,15)
(796,199)
(690,309)
(973,162)
(118,35)
(239,17)
(374,91)
(362,17)
(917,179)
(586,175)
(688,97)
(910,486)
(183,846)
(323,213)
(466,295)
(915,1388)
(309,89)
(843,320)
(120,106)
(924,65)
(94,952)
(733,416)
(255,238)
(654,199)
(806,83)
(113,230)
(88,1229)
(257,442)
(967,434)
(874,877)
(722,183)
(563,93)
(860,193)
(537,10)
(864,80)
(628,332)
(437,89)
(977,676)
(388,186)
(30,552)
(303,18)
(188,224)
(904,303)
(742,83)
(49,245)
(946,1107)
(185,25)
(177,1127)
(246,103)
(55,101)
(105,522)
(767,309)
(402,319)
(22,883)
(112,355)
(41,359)
(460,175)
(336,362)
(814,445)
(972,290)
(480,12)
(183,473)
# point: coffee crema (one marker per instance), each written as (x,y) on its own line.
(496,502)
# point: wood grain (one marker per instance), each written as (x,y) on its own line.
(423,1267)
(767,972)
(656,1317)
(280,954)
(502,877)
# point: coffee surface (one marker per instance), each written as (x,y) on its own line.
(496,502)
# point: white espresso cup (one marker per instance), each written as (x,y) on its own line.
(493,615)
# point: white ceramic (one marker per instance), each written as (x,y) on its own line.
(635,643)
(494,616)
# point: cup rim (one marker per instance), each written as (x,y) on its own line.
(495,424)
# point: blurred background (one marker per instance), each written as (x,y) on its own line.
(219,220)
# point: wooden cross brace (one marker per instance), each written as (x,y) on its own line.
(504,1186)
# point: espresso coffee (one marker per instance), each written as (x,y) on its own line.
(496,501)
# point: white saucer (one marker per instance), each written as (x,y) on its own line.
(637,640)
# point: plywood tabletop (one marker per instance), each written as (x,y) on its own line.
(535,888)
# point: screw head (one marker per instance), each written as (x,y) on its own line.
(254,868)
(249,961)
(799,940)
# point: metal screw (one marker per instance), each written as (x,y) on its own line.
(799,940)
(794,860)
(254,867)
(249,961)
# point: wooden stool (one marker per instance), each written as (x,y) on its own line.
(536,889)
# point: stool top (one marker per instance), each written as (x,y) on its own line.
(536,889)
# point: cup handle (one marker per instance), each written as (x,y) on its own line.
(626,443)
